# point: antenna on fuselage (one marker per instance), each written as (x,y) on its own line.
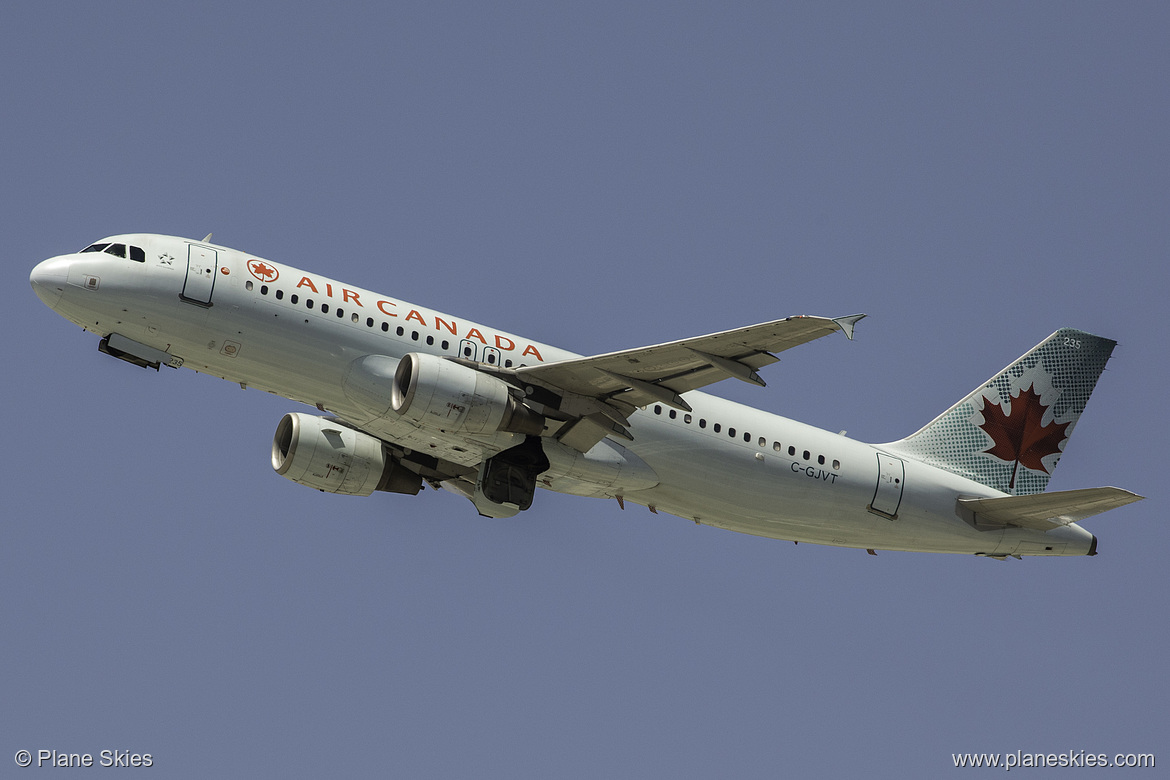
(206,238)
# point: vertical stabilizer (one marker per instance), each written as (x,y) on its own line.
(1010,432)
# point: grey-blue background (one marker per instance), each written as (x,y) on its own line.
(597,176)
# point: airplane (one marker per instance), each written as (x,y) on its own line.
(411,396)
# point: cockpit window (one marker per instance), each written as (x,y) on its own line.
(118,250)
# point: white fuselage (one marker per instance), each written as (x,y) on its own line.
(293,333)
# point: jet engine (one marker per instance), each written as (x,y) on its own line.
(324,454)
(440,394)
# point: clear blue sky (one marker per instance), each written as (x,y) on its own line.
(596,176)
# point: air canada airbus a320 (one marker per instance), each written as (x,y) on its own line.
(409,395)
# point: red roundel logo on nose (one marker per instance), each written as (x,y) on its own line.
(263,271)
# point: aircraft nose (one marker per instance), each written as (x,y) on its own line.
(48,279)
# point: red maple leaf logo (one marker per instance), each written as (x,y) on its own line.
(1020,436)
(262,271)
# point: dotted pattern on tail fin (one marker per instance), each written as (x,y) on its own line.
(1009,433)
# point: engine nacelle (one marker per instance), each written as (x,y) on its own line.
(321,453)
(440,394)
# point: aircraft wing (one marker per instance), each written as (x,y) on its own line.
(603,390)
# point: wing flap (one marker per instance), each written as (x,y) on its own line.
(1045,511)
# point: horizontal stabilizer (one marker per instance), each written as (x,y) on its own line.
(1045,511)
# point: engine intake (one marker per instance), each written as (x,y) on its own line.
(321,453)
(440,394)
